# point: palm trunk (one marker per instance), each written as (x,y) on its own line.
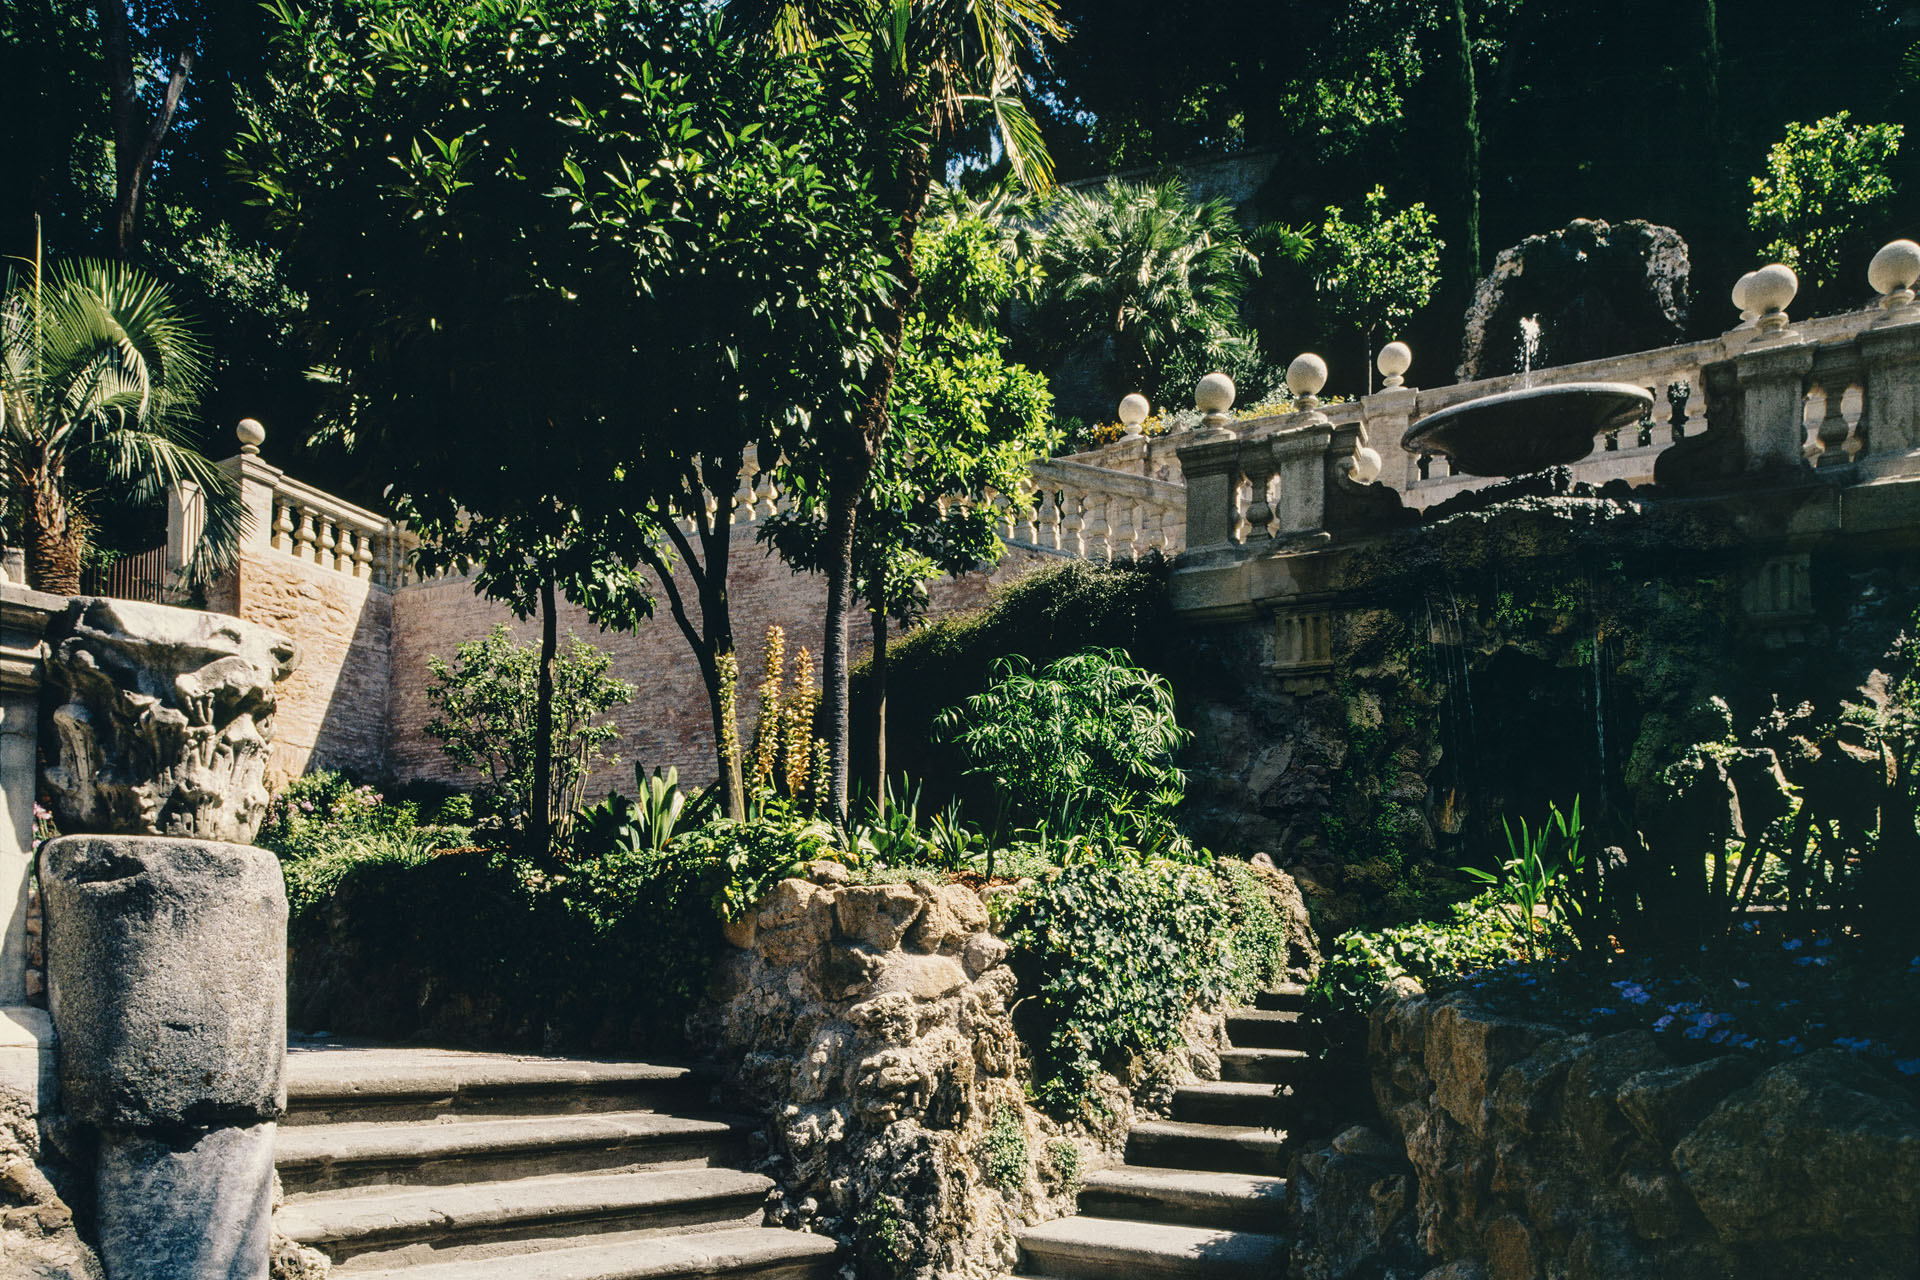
(540,804)
(1468,105)
(52,542)
(879,618)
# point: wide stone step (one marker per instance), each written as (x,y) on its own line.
(762,1253)
(1218,1148)
(1288,995)
(1229,1201)
(1236,1102)
(323,1157)
(1270,1029)
(1101,1248)
(1265,1066)
(382,1226)
(336,1083)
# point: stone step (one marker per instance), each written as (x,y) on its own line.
(1101,1248)
(1236,1102)
(1265,1066)
(1229,1201)
(1215,1148)
(1269,1029)
(322,1157)
(761,1253)
(373,1227)
(1288,995)
(334,1083)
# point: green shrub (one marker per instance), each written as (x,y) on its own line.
(1258,937)
(484,705)
(1479,935)
(1045,615)
(1111,958)
(1003,1150)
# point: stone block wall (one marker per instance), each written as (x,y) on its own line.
(1512,1150)
(869,1031)
(332,708)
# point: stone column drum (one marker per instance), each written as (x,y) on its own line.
(166,931)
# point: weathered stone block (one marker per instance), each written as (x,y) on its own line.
(793,922)
(1664,1104)
(167,980)
(202,1211)
(1817,1147)
(161,719)
(876,914)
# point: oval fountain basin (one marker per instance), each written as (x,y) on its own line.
(1514,432)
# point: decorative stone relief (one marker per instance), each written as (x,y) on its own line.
(160,720)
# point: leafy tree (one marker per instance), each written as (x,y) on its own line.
(1145,272)
(1374,273)
(99,375)
(967,425)
(910,74)
(1825,191)
(483,717)
(566,262)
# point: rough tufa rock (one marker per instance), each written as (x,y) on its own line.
(160,719)
(167,980)
(1597,290)
(37,1236)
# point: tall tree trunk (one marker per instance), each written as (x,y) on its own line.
(540,803)
(879,621)
(844,487)
(52,541)
(1467,103)
(136,137)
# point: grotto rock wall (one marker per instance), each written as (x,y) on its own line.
(1511,1150)
(868,1028)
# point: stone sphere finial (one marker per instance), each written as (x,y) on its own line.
(1770,292)
(1743,298)
(1133,412)
(1365,468)
(1305,376)
(1894,271)
(1215,394)
(250,433)
(1395,359)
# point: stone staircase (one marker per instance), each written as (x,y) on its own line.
(426,1164)
(1199,1194)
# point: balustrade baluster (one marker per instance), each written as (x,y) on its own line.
(1095,535)
(1071,523)
(363,556)
(282,526)
(303,540)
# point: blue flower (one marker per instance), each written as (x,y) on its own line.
(1662,1024)
(1791,1042)
(1748,926)
(1818,962)
(1792,944)
(1852,1044)
(1718,1036)
(1695,1032)
(1908,1066)
(1602,1012)
(1824,942)
(1632,992)
(1741,986)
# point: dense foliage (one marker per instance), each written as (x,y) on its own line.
(1113,956)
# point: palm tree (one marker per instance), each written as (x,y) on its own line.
(98,372)
(912,71)
(1146,268)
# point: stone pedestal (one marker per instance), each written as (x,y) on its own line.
(198,1210)
(26,1033)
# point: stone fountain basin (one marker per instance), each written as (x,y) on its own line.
(1516,432)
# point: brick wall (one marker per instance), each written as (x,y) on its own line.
(332,712)
(668,722)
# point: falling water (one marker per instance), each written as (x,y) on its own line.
(1529,347)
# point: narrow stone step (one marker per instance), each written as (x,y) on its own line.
(1236,1102)
(1269,1029)
(1101,1248)
(1265,1066)
(1216,1148)
(1229,1201)
(1288,995)
(763,1253)
(333,1084)
(322,1157)
(381,1226)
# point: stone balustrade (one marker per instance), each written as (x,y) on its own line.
(1837,398)
(1092,513)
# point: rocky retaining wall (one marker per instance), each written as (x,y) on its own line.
(871,1030)
(1511,1150)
